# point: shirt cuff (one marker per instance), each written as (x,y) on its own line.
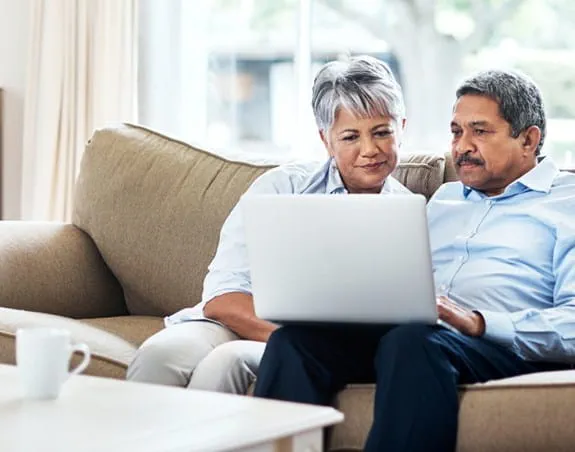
(498,327)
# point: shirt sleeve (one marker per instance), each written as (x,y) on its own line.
(229,270)
(543,334)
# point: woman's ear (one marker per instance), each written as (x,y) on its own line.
(325,142)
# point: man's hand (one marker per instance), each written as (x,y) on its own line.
(468,322)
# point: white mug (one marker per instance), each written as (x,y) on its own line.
(43,360)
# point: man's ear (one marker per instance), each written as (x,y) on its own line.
(531,139)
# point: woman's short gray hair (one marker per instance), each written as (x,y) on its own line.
(363,85)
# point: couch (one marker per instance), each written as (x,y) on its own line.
(146,220)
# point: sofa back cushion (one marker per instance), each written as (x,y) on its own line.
(154,207)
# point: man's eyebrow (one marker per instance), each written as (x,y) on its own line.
(478,123)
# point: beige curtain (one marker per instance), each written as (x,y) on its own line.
(82,75)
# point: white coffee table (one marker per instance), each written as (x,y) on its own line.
(97,414)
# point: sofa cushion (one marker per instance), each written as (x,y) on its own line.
(111,354)
(55,268)
(154,206)
(421,173)
(134,329)
(450,174)
(528,413)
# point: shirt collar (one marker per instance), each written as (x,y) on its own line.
(538,179)
(335,182)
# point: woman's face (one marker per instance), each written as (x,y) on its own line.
(365,149)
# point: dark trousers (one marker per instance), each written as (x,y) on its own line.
(416,369)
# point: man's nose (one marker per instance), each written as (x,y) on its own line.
(464,144)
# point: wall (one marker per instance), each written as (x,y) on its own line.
(14,26)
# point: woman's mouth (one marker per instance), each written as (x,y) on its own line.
(372,166)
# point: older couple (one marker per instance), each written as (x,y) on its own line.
(360,113)
(503,248)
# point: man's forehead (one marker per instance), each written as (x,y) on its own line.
(476,110)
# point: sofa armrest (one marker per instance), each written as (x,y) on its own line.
(55,268)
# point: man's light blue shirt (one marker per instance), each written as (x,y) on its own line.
(229,270)
(511,257)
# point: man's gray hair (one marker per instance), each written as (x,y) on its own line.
(519,99)
(363,85)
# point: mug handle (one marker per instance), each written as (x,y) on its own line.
(82,348)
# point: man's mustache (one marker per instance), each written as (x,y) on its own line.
(465,158)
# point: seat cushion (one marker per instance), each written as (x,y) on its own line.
(133,328)
(112,341)
(528,413)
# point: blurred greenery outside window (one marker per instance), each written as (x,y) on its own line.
(236,75)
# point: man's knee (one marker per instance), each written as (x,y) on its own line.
(289,336)
(409,336)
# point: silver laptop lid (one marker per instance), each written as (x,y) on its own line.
(340,258)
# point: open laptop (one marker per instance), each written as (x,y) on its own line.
(340,259)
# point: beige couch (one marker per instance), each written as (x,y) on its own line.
(147,215)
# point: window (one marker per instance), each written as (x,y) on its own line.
(236,75)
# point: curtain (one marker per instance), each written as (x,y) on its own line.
(81,75)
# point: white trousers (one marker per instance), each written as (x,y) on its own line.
(198,355)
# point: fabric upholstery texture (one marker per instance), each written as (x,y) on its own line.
(421,173)
(148,211)
(55,268)
(531,413)
(154,208)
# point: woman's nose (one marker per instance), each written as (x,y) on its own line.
(369,148)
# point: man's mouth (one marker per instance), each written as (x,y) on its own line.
(468,163)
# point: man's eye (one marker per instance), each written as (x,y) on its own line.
(480,131)
(382,133)
(456,133)
(349,138)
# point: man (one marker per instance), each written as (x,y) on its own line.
(503,247)
(360,113)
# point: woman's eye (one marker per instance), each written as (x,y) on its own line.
(382,133)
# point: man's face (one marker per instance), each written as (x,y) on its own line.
(486,156)
(365,149)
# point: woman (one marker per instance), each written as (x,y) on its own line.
(360,114)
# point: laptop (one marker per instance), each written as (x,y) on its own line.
(344,259)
